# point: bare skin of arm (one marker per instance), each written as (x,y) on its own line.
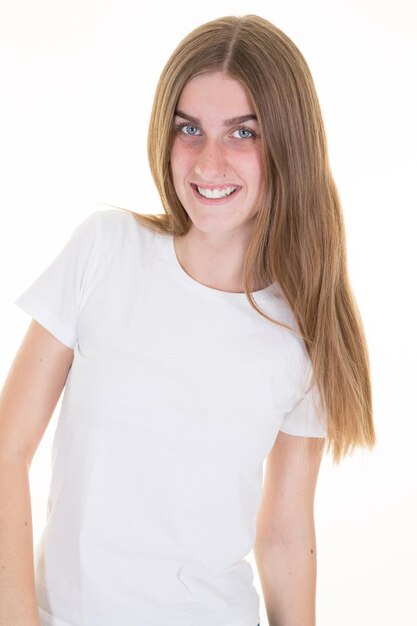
(285,546)
(27,401)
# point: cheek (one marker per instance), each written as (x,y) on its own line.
(252,169)
(259,168)
(181,158)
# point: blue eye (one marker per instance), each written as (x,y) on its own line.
(180,127)
(243,129)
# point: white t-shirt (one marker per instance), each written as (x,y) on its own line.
(174,399)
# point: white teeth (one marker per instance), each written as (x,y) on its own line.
(215,193)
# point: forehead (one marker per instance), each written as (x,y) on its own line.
(215,94)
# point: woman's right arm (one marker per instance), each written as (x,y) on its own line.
(27,401)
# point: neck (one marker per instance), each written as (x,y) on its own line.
(214,260)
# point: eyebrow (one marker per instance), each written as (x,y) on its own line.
(230,122)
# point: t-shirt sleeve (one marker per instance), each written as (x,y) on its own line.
(307,417)
(56,297)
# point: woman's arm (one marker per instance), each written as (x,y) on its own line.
(27,401)
(285,547)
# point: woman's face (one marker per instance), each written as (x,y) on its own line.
(217,150)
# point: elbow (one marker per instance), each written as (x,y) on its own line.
(302,532)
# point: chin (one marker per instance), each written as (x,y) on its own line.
(211,225)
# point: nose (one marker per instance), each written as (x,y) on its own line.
(211,163)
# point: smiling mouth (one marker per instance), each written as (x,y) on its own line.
(215,193)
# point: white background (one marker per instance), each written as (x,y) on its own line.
(77,82)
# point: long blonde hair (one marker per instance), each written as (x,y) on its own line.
(298,240)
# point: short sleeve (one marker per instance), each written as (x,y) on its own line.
(307,417)
(56,297)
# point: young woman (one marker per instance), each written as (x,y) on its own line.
(193,345)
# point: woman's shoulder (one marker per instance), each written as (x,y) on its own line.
(114,218)
(121,235)
(115,226)
(118,221)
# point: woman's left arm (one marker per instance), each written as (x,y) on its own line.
(285,546)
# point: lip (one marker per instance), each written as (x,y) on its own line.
(215,201)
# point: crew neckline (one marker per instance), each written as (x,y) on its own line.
(204,289)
